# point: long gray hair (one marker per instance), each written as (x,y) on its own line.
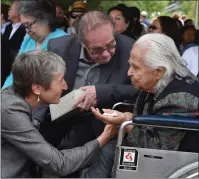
(160,51)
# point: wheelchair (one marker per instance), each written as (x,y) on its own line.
(152,163)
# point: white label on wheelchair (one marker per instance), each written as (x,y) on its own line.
(128,159)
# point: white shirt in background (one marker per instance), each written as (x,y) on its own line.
(191,57)
(71,30)
(3,27)
(14,28)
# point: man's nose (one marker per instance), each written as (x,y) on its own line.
(106,53)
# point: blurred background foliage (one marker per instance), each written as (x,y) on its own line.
(153,8)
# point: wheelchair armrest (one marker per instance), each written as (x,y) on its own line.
(174,122)
(123,107)
(167,121)
(122,103)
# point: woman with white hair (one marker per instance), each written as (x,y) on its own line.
(167,88)
(191,57)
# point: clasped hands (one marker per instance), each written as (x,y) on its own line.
(89,100)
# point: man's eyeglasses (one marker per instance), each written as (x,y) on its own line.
(100,50)
(29,26)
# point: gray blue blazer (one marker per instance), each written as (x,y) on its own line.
(22,144)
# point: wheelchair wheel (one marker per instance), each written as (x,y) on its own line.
(189,171)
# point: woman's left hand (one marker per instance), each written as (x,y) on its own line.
(118,117)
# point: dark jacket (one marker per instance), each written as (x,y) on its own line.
(16,39)
(6,59)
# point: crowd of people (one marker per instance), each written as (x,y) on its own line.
(112,56)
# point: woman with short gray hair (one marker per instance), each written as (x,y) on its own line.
(28,68)
(38,78)
(39,19)
(167,88)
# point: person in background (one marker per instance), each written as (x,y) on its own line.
(176,15)
(78,9)
(39,20)
(121,19)
(59,11)
(38,78)
(166,25)
(15,31)
(184,17)
(139,28)
(143,18)
(188,36)
(4,17)
(188,22)
(191,57)
(153,19)
(178,20)
(197,38)
(6,59)
(179,23)
(61,18)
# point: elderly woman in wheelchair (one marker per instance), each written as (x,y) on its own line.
(167,88)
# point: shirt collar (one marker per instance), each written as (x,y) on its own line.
(16,25)
(83,56)
(5,24)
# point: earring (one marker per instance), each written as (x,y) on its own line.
(38,99)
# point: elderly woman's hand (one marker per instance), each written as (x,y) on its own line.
(111,116)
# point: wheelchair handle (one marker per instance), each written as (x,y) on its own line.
(121,131)
(122,103)
(172,122)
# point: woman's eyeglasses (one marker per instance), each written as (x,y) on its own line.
(29,26)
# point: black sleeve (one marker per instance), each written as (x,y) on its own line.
(109,94)
(6,59)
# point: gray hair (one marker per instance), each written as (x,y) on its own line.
(43,11)
(160,51)
(91,20)
(37,67)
